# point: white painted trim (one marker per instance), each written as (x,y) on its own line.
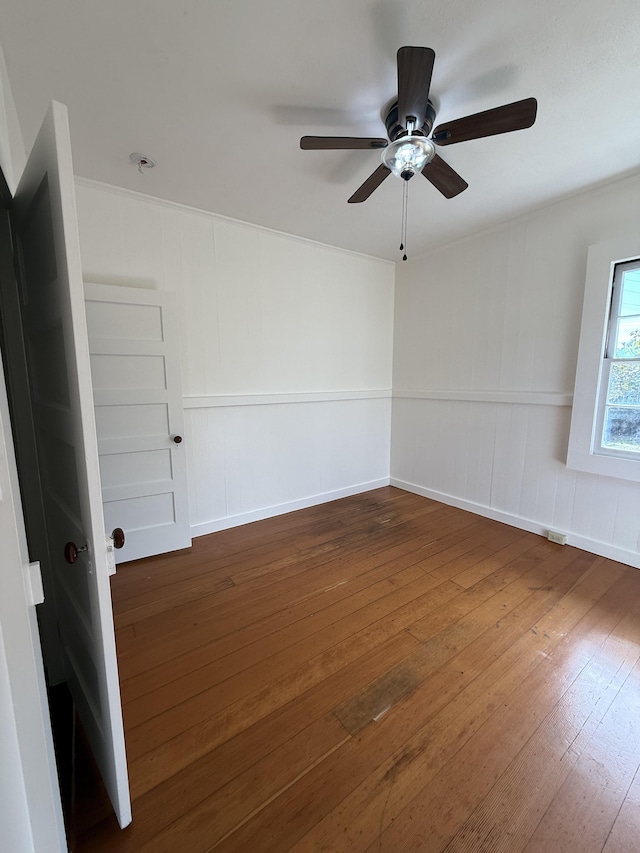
(280,509)
(216,401)
(593,546)
(582,455)
(162,202)
(528,398)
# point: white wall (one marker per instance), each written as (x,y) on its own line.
(286,351)
(486,341)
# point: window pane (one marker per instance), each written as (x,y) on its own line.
(627,326)
(628,338)
(621,429)
(630,302)
(624,384)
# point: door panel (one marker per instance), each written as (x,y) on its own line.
(24,439)
(56,348)
(127,372)
(138,399)
(123,321)
(152,466)
(132,422)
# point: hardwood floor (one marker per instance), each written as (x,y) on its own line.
(377,674)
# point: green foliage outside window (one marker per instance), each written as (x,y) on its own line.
(624,385)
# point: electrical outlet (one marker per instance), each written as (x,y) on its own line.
(558,538)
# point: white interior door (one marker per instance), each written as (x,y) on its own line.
(57,353)
(135,366)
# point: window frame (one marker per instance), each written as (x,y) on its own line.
(584,452)
(609,359)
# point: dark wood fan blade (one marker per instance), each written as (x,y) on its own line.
(444,178)
(322,143)
(372,183)
(415,66)
(516,116)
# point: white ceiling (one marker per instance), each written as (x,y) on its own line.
(220,91)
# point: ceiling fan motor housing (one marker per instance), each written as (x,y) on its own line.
(395,130)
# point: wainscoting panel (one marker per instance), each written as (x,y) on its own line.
(507,461)
(252,460)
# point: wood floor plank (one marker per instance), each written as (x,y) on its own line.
(286,821)
(376,674)
(186,788)
(150,603)
(393,784)
(626,828)
(513,580)
(203,721)
(345,621)
(449,549)
(503,733)
(445,645)
(240,799)
(259,542)
(270,655)
(294,610)
(495,561)
(229,610)
(593,790)
(375,534)
(549,755)
(380,540)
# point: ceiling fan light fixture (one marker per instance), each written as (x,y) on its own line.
(408,155)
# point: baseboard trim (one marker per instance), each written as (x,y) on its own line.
(593,546)
(281,509)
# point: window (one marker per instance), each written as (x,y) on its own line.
(618,421)
(605,421)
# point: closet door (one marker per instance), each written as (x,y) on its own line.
(137,391)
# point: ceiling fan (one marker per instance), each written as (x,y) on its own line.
(409,122)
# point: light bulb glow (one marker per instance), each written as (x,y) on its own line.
(408,155)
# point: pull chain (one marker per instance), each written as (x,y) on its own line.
(403,228)
(402,217)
